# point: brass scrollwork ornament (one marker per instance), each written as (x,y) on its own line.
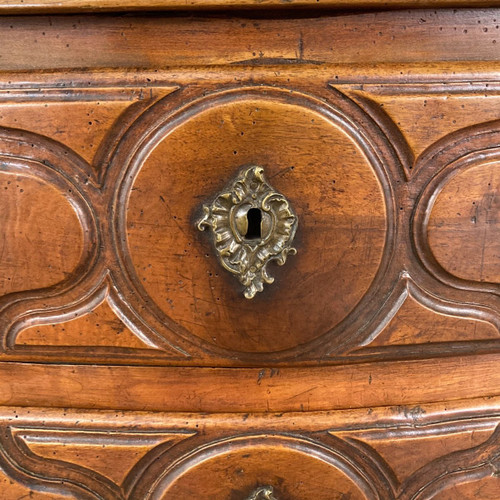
(262,493)
(252,224)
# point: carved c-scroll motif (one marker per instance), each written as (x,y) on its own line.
(40,448)
(228,217)
(129,164)
(110,275)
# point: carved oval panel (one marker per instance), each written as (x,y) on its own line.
(464,224)
(42,238)
(257,467)
(316,159)
(484,488)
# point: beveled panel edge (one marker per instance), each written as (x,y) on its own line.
(377,419)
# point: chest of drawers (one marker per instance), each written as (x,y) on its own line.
(156,167)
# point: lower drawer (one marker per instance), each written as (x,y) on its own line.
(405,452)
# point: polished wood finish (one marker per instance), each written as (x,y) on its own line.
(51,6)
(170,41)
(132,366)
(248,390)
(400,452)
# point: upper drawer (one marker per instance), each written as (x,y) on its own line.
(376,183)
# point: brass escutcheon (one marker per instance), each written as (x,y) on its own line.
(251,225)
(262,493)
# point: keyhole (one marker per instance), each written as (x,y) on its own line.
(254,218)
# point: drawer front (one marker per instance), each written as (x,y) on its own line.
(250,257)
(405,452)
(386,175)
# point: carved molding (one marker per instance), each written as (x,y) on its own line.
(106,272)
(339,112)
(173,446)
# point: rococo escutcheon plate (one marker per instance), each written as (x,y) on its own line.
(251,225)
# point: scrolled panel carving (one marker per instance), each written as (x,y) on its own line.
(446,160)
(43,470)
(456,154)
(460,145)
(96,114)
(336,467)
(459,467)
(88,284)
(418,113)
(412,338)
(160,287)
(182,319)
(50,475)
(317,456)
(40,158)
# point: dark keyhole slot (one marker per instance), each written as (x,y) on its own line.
(254,218)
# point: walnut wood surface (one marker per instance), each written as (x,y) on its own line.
(44,6)
(164,40)
(400,452)
(401,207)
(131,365)
(248,389)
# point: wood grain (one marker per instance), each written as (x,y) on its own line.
(44,6)
(467,222)
(100,327)
(38,258)
(339,205)
(162,283)
(131,366)
(245,390)
(114,41)
(367,454)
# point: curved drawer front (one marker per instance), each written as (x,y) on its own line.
(404,452)
(388,229)
(250,255)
